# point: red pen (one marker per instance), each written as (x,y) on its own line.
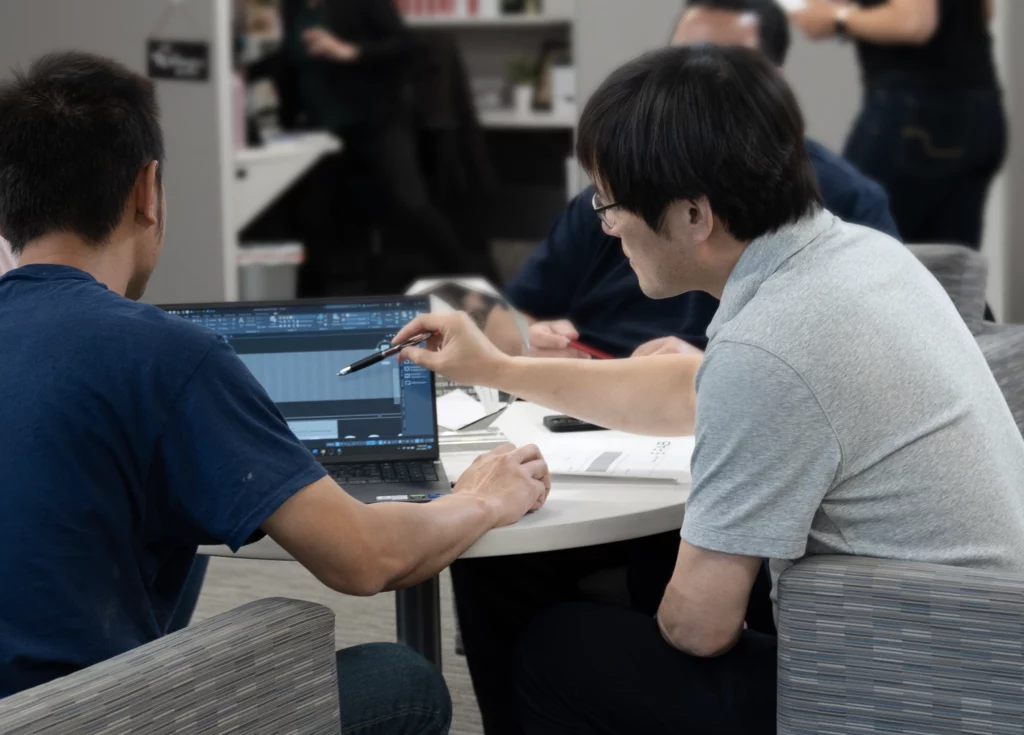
(595,353)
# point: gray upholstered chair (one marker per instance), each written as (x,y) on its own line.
(870,646)
(964,275)
(265,668)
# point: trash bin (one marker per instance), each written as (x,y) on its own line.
(269,271)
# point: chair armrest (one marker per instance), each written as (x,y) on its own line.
(266,667)
(877,646)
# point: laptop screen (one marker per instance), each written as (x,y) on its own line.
(295,349)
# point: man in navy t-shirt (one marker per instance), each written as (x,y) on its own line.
(577,284)
(128,436)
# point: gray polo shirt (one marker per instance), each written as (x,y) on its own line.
(844,408)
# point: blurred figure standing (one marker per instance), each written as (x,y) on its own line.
(346,68)
(932,129)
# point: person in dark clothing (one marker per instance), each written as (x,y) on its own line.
(932,129)
(578,284)
(167,440)
(346,66)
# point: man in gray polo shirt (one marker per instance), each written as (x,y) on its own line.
(842,407)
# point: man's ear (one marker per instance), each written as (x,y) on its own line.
(700,218)
(147,196)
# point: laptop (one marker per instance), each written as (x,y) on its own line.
(374,431)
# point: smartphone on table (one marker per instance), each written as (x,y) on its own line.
(561,424)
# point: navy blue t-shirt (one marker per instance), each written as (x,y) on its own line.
(127,438)
(579,273)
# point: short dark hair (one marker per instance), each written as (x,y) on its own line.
(701,121)
(75,132)
(772,23)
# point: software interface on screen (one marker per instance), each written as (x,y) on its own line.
(296,351)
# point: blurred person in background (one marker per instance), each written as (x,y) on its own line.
(932,129)
(346,67)
(579,285)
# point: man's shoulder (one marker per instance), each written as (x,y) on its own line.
(146,334)
(848,193)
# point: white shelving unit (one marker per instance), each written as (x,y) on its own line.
(515,120)
(263,174)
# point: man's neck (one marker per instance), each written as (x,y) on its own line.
(727,251)
(101,262)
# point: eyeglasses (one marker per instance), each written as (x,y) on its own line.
(600,208)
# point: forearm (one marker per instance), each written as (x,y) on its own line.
(897,22)
(501,329)
(650,395)
(359,549)
(416,542)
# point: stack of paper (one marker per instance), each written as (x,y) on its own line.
(598,453)
(458,409)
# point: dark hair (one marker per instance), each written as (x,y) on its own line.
(75,132)
(772,23)
(701,121)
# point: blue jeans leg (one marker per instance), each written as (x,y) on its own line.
(387,689)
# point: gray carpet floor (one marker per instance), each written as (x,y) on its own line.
(233,582)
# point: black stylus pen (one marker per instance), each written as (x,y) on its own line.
(381,356)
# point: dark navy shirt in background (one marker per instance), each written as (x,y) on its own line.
(580,274)
(127,438)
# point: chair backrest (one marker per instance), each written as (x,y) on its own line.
(1003,347)
(265,668)
(962,272)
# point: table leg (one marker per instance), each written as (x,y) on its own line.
(418,613)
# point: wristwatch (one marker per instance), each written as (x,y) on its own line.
(842,16)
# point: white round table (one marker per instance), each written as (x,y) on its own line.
(580,511)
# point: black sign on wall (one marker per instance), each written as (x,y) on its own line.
(183,61)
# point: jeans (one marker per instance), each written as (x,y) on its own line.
(532,641)
(386,689)
(593,669)
(936,152)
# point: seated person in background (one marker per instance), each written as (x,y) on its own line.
(814,434)
(579,282)
(130,436)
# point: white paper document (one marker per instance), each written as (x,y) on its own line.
(459,409)
(598,453)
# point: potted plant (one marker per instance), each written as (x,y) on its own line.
(522,74)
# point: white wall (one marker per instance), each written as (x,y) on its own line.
(609,33)
(1011,22)
(198,257)
(826,81)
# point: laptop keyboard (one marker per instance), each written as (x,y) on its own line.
(378,473)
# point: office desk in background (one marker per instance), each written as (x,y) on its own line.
(579,512)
